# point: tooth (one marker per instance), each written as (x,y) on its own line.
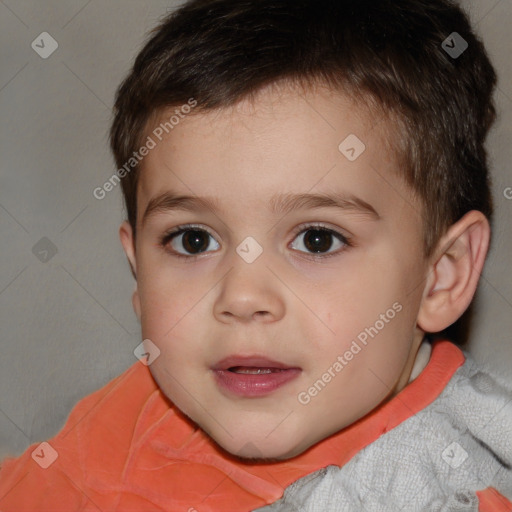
(253,371)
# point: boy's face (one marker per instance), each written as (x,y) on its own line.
(337,318)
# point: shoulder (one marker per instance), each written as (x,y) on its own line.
(98,431)
(114,408)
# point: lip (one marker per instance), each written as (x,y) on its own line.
(253,385)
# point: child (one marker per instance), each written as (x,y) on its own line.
(307,196)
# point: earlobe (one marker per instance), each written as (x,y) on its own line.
(454,272)
(128,243)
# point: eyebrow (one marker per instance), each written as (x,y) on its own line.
(286,203)
(279,204)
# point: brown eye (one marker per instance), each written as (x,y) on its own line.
(191,241)
(319,240)
(195,241)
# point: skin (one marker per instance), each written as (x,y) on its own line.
(289,305)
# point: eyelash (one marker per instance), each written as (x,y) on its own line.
(179,230)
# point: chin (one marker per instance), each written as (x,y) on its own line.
(254,440)
(259,450)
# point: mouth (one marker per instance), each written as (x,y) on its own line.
(252,376)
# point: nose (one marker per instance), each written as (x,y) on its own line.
(249,292)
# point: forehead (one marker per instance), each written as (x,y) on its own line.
(284,139)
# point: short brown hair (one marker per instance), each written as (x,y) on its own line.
(391,51)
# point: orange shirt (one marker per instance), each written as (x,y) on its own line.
(125,447)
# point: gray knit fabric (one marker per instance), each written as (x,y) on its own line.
(434,461)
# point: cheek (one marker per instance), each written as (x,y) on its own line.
(372,315)
(165,299)
(354,300)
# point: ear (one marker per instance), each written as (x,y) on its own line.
(128,243)
(454,272)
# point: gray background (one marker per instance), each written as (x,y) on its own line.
(67,324)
